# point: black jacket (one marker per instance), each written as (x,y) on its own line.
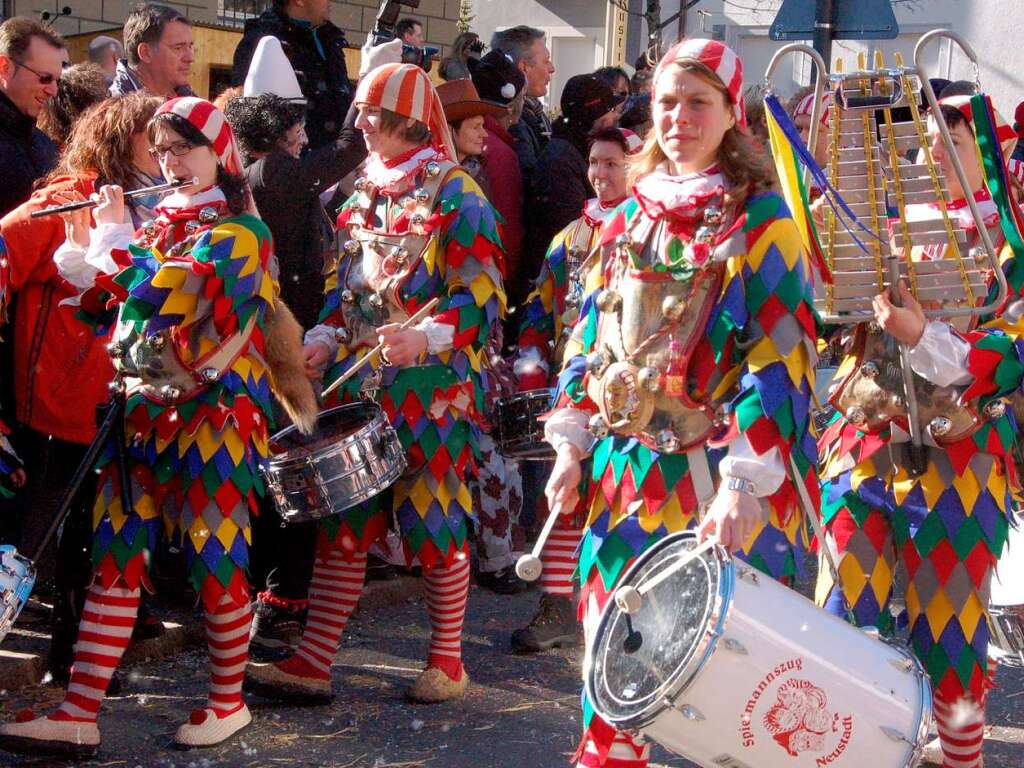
(286,191)
(26,154)
(322,78)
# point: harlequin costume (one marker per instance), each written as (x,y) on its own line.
(191,292)
(419,228)
(711,376)
(947,526)
(548,316)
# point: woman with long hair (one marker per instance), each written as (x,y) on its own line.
(194,292)
(61,367)
(419,229)
(727,368)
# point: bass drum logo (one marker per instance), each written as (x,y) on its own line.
(797,717)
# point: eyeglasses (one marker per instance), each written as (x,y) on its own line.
(45,78)
(178,149)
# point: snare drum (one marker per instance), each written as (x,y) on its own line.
(518,432)
(733,669)
(17,577)
(1006,606)
(353,455)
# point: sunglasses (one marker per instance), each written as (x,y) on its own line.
(178,149)
(45,78)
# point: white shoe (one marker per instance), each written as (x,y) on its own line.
(205,729)
(56,738)
(932,753)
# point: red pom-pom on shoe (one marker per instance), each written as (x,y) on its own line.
(198,717)
(24,716)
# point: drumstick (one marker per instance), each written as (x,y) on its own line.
(628,598)
(529,567)
(423,312)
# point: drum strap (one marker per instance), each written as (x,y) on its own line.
(700,473)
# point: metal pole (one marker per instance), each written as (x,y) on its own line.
(653,17)
(823,30)
(684,5)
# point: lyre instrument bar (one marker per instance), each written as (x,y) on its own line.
(155,189)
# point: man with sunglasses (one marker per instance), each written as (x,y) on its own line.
(31,60)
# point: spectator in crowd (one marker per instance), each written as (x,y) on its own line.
(561,186)
(79,88)
(410,31)
(499,81)
(753,107)
(105,52)
(456,65)
(31,62)
(957,88)
(617,80)
(61,366)
(315,48)
(159,50)
(529,51)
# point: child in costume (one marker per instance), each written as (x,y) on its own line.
(550,312)
(709,381)
(419,228)
(192,292)
(946,526)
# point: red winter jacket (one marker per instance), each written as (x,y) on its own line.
(61,368)
(505,190)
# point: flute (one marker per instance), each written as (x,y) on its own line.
(169,186)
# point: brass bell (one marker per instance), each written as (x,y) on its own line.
(856,415)
(623,241)
(609,301)
(417,220)
(598,426)
(376,301)
(400,254)
(432,169)
(209,375)
(208,215)
(352,247)
(672,307)
(940,426)
(116,386)
(572,300)
(157,341)
(360,184)
(596,363)
(649,378)
(191,227)
(149,230)
(713,215)
(1014,311)
(117,349)
(170,393)
(347,296)
(421,196)
(995,409)
(869,370)
(704,235)
(342,335)
(666,441)
(569,317)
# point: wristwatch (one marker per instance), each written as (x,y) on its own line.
(742,485)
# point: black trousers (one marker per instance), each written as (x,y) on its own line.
(282,555)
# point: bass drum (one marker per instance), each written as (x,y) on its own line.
(353,455)
(1006,605)
(728,668)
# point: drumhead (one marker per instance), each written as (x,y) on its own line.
(331,426)
(673,622)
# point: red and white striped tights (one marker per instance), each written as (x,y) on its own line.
(334,593)
(961,726)
(104,633)
(559,559)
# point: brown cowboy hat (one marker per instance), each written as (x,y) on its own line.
(461,100)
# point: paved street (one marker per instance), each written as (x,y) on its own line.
(521,711)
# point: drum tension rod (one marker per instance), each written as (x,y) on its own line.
(634,639)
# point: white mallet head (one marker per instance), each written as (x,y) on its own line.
(528,568)
(628,600)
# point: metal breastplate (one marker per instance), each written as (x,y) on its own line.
(871,396)
(380,262)
(649,325)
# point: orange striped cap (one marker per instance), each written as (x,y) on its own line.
(716,56)
(210,122)
(406,90)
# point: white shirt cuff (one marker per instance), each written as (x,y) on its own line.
(104,239)
(766,471)
(323,334)
(71,264)
(440,336)
(568,425)
(941,356)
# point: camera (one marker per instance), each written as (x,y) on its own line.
(384,32)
